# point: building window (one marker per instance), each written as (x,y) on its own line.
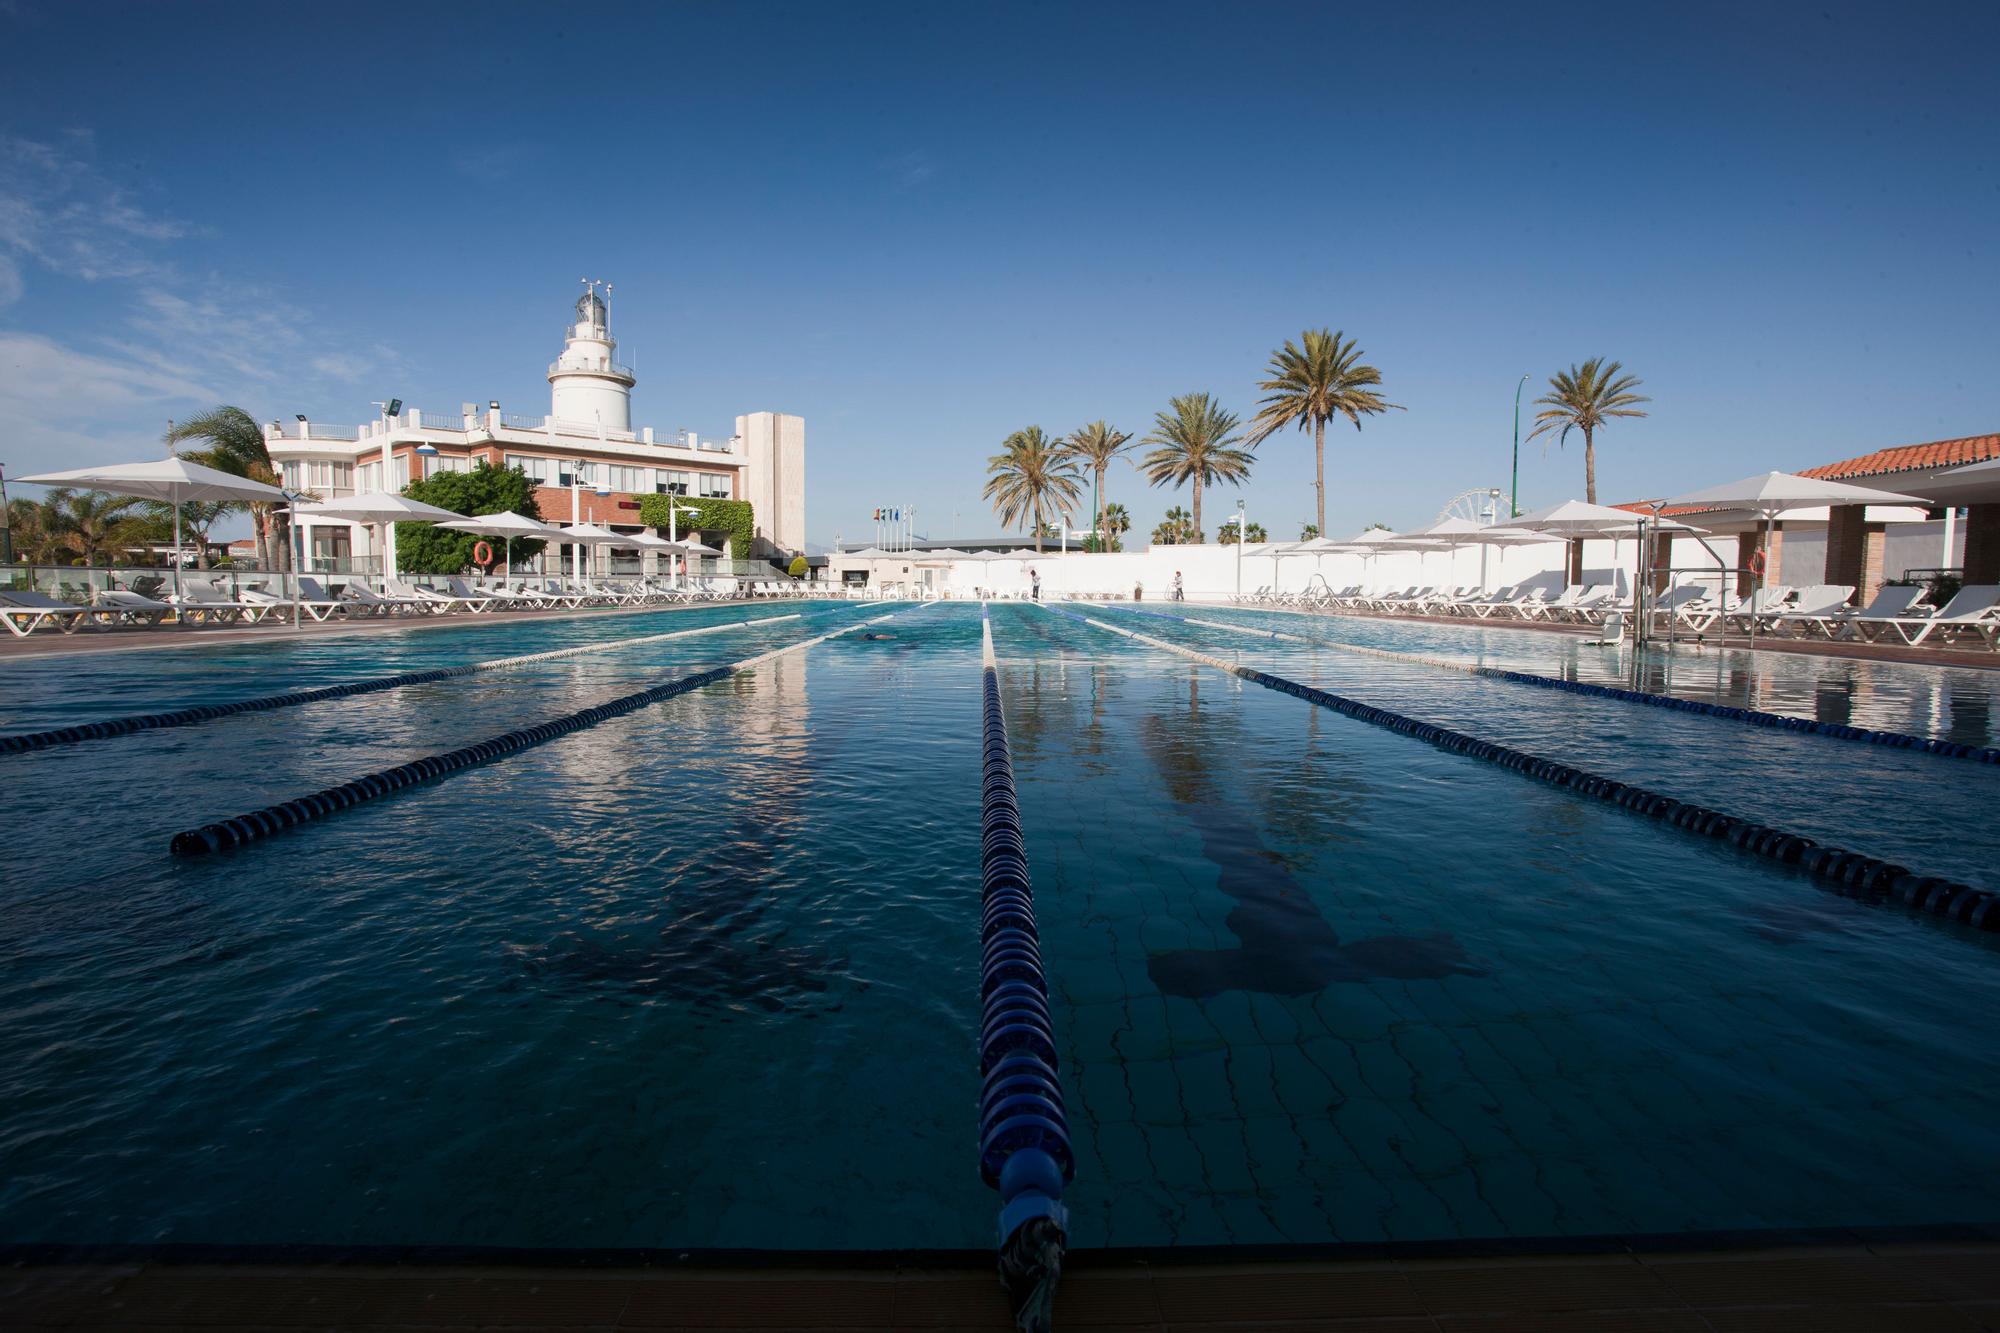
(670,482)
(714,485)
(536,469)
(631,480)
(402,462)
(288,474)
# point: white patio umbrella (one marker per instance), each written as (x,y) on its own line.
(1769,494)
(590,534)
(1367,543)
(378,509)
(507,525)
(174,480)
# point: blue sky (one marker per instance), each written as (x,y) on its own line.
(923,226)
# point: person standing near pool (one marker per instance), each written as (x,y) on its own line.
(1035,583)
(1178,596)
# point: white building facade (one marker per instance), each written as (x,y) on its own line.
(589,463)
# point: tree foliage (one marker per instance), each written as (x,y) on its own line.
(1176,529)
(1310,383)
(1253,532)
(425,548)
(1584,398)
(1195,445)
(1094,447)
(1116,522)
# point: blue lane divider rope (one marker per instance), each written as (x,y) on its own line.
(242,829)
(1901,740)
(21,742)
(1024,1149)
(1852,873)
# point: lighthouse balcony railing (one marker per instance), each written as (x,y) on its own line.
(593,366)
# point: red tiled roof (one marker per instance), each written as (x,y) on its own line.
(1912,458)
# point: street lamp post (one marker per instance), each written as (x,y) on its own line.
(1239,550)
(1514,480)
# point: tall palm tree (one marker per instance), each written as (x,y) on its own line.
(232,440)
(1311,382)
(1095,446)
(1033,477)
(90,523)
(1584,398)
(1196,443)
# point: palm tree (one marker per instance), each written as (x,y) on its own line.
(1253,531)
(1584,398)
(1176,528)
(1095,446)
(234,442)
(89,523)
(1117,522)
(36,526)
(1311,382)
(1308,532)
(1034,477)
(1196,442)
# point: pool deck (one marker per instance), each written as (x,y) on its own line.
(45,644)
(1845,1288)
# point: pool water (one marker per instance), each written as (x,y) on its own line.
(706,975)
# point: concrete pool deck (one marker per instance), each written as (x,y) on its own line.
(1904,1287)
(46,644)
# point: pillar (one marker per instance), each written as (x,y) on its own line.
(1854,549)
(1749,544)
(1574,574)
(1663,560)
(1982,543)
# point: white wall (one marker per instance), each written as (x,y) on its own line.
(1210,572)
(774,477)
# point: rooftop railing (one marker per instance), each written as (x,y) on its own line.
(597,365)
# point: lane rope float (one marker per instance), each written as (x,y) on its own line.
(1900,740)
(188,717)
(247,828)
(1853,874)
(1024,1148)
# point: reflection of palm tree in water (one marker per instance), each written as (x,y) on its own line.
(1285,946)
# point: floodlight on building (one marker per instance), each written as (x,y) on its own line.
(301,417)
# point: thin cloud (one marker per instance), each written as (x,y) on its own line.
(909,171)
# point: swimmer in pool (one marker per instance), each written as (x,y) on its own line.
(878,636)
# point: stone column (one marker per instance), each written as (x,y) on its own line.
(1854,549)
(1982,543)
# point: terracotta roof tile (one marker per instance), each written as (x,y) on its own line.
(1912,457)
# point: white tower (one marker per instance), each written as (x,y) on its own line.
(589,385)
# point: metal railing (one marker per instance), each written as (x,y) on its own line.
(441,420)
(599,366)
(522,421)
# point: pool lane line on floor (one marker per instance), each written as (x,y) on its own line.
(22,742)
(1024,1148)
(1866,876)
(1901,740)
(241,829)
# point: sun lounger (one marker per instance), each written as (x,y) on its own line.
(1889,603)
(1975,608)
(115,606)
(469,597)
(24,611)
(201,598)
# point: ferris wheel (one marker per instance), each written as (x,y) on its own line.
(1481,504)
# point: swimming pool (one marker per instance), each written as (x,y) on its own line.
(705,975)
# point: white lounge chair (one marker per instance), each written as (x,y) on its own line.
(1974,608)
(201,598)
(25,610)
(115,606)
(1889,604)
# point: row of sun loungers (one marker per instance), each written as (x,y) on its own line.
(206,601)
(1823,611)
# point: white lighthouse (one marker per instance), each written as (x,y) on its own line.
(590,386)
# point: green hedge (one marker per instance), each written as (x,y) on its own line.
(731,519)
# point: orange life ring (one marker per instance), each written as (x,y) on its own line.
(1757,563)
(482,554)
